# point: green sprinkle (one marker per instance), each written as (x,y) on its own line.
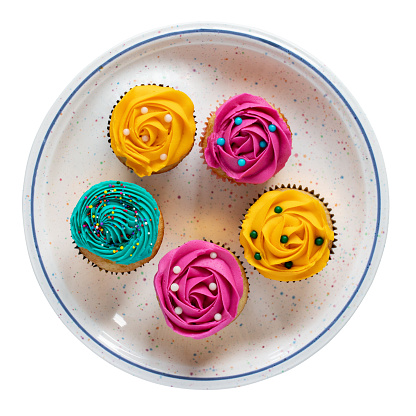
(284,239)
(278,209)
(253,234)
(319,241)
(288,264)
(257,256)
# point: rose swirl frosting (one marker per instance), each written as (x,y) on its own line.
(287,235)
(151,128)
(117,221)
(199,286)
(250,141)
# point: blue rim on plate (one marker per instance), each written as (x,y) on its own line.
(256,37)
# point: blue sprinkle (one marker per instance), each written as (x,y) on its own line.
(221,141)
(238,121)
(241,162)
(263,144)
(272,127)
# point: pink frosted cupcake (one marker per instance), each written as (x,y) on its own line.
(246,140)
(201,288)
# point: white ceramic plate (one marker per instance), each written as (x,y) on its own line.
(335,153)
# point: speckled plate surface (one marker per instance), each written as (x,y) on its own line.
(335,153)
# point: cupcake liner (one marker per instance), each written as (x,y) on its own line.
(96,265)
(218,172)
(311,192)
(166,168)
(145,260)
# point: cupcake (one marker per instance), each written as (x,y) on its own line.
(201,288)
(288,234)
(152,128)
(117,226)
(246,140)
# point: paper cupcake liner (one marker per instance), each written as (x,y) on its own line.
(311,192)
(84,257)
(218,172)
(170,167)
(158,243)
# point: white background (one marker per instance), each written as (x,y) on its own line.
(368,368)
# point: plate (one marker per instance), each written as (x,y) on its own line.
(335,153)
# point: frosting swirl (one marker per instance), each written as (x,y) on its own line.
(151,128)
(199,292)
(117,221)
(287,235)
(256,140)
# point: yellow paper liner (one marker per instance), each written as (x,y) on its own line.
(97,261)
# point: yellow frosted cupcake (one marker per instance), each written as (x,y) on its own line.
(288,234)
(152,128)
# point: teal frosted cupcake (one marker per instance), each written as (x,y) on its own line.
(117,226)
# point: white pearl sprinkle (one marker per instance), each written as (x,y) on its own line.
(178,310)
(145,138)
(212,286)
(163,156)
(174,287)
(213,255)
(144,110)
(217,316)
(168,118)
(177,270)
(126,132)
